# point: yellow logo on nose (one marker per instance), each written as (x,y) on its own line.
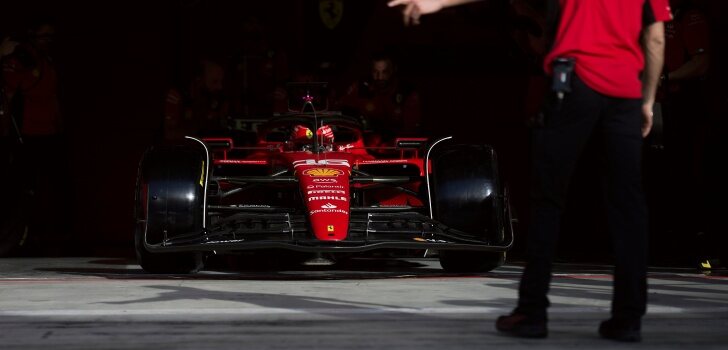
(316,172)
(330,228)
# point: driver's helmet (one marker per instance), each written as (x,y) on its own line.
(302,134)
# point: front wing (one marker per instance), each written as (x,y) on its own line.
(367,231)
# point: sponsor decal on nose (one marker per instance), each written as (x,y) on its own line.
(323,172)
(326,192)
(328,211)
(327,198)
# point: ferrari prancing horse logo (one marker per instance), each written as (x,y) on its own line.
(317,172)
(331,12)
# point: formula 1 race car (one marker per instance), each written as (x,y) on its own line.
(311,184)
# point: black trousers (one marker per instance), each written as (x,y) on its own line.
(557,146)
(41,168)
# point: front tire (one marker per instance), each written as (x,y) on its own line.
(165,263)
(166,169)
(468,197)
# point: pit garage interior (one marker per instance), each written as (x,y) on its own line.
(72,280)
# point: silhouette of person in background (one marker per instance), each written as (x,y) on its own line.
(259,73)
(200,109)
(30,81)
(683,94)
(7,126)
(389,106)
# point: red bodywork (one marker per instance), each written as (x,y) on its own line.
(324,185)
(324,178)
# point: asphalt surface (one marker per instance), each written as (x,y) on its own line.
(97,303)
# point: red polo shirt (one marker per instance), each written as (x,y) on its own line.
(604,38)
(39,86)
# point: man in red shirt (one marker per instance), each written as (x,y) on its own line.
(30,73)
(30,82)
(616,50)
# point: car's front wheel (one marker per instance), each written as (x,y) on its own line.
(467,197)
(165,263)
(168,203)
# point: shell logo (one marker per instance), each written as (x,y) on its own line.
(317,172)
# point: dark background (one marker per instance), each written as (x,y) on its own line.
(117,59)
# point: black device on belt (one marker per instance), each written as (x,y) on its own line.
(563,70)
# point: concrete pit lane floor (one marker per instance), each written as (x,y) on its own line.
(102,303)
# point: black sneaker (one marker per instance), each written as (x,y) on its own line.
(523,326)
(621,330)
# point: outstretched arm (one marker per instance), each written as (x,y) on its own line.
(413,9)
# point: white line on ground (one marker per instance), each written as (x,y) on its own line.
(334,311)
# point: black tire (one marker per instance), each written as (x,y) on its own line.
(467,196)
(166,263)
(158,167)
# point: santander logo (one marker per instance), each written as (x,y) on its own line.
(328,206)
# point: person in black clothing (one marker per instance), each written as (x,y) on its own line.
(602,47)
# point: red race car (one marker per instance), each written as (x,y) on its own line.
(311,184)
